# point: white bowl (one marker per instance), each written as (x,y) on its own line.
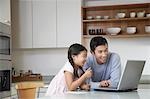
(140,14)
(89,17)
(113,30)
(148,15)
(98,17)
(147,29)
(131,30)
(132,14)
(121,15)
(106,17)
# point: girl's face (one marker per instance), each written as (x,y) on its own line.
(80,59)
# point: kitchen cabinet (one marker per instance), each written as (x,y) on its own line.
(34,23)
(46,23)
(5,11)
(68,22)
(93,17)
(22,23)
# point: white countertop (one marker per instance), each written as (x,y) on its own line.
(139,94)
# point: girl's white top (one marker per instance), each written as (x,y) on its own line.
(58,84)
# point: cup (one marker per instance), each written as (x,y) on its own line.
(132,14)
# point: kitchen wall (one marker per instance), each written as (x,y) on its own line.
(127,48)
(49,61)
(130,49)
(44,61)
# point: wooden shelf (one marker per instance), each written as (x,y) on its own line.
(112,10)
(116,7)
(121,19)
(120,35)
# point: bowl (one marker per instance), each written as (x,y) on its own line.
(147,29)
(148,15)
(121,15)
(113,30)
(132,14)
(106,17)
(98,17)
(131,30)
(89,17)
(140,14)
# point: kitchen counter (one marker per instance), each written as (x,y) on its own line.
(142,93)
(139,94)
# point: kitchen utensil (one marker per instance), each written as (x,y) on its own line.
(140,14)
(132,14)
(131,30)
(121,15)
(147,29)
(113,30)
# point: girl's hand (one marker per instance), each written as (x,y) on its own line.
(88,73)
(85,87)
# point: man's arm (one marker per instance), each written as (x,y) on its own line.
(115,71)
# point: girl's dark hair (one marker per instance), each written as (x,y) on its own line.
(97,41)
(75,49)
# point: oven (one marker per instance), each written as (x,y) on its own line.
(5,78)
(5,52)
(5,60)
(5,42)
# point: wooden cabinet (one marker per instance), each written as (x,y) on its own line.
(91,19)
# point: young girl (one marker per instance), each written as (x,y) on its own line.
(71,76)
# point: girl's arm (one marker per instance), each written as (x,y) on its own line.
(74,84)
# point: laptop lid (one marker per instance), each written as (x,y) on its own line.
(131,75)
(129,79)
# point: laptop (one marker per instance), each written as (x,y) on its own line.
(129,79)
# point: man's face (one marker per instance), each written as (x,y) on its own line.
(101,53)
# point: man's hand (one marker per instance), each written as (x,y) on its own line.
(104,83)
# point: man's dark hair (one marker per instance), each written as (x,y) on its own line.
(97,41)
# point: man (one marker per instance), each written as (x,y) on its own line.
(106,66)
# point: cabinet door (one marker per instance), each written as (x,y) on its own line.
(68,22)
(5,11)
(22,23)
(44,23)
